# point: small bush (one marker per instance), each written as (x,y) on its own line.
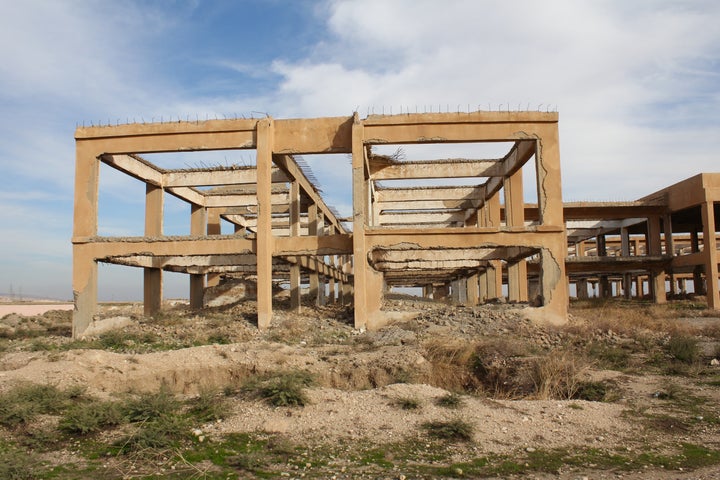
(91,418)
(557,376)
(684,349)
(23,403)
(282,390)
(209,406)
(150,406)
(407,403)
(449,430)
(17,465)
(451,400)
(165,431)
(590,391)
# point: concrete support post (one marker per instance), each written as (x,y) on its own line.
(654,244)
(491,277)
(347,286)
(441,292)
(639,291)
(603,284)
(313,276)
(198,222)
(360,212)
(322,284)
(515,217)
(473,289)
(213,228)
(550,207)
(711,256)
(581,285)
(295,288)
(152,277)
(85,214)
(625,252)
(265,241)
(698,284)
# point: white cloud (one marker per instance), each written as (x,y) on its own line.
(635,84)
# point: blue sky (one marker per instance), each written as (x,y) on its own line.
(637,85)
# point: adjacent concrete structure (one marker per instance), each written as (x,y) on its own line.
(471,240)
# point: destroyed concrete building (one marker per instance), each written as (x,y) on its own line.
(472,239)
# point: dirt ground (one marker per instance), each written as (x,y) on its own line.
(363,377)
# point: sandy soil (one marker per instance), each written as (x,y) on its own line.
(358,389)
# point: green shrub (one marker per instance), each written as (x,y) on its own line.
(451,400)
(166,431)
(286,389)
(150,406)
(407,403)
(17,465)
(21,404)
(590,391)
(684,349)
(91,418)
(209,406)
(449,430)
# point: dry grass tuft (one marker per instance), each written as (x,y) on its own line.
(558,375)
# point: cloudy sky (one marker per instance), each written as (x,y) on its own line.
(636,84)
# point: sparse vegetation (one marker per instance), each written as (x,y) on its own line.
(451,400)
(284,389)
(407,403)
(456,429)
(474,353)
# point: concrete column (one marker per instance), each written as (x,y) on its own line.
(314,277)
(698,284)
(711,256)
(441,292)
(265,241)
(603,284)
(152,277)
(515,217)
(213,228)
(625,252)
(198,222)
(322,281)
(295,288)
(581,285)
(347,286)
(639,291)
(550,206)
(473,289)
(654,246)
(490,278)
(368,283)
(85,217)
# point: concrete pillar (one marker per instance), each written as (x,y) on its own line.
(198,222)
(654,245)
(322,280)
(347,286)
(515,217)
(213,228)
(152,277)
(265,241)
(554,283)
(368,283)
(441,292)
(295,287)
(473,289)
(639,291)
(314,277)
(625,252)
(711,256)
(84,283)
(581,285)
